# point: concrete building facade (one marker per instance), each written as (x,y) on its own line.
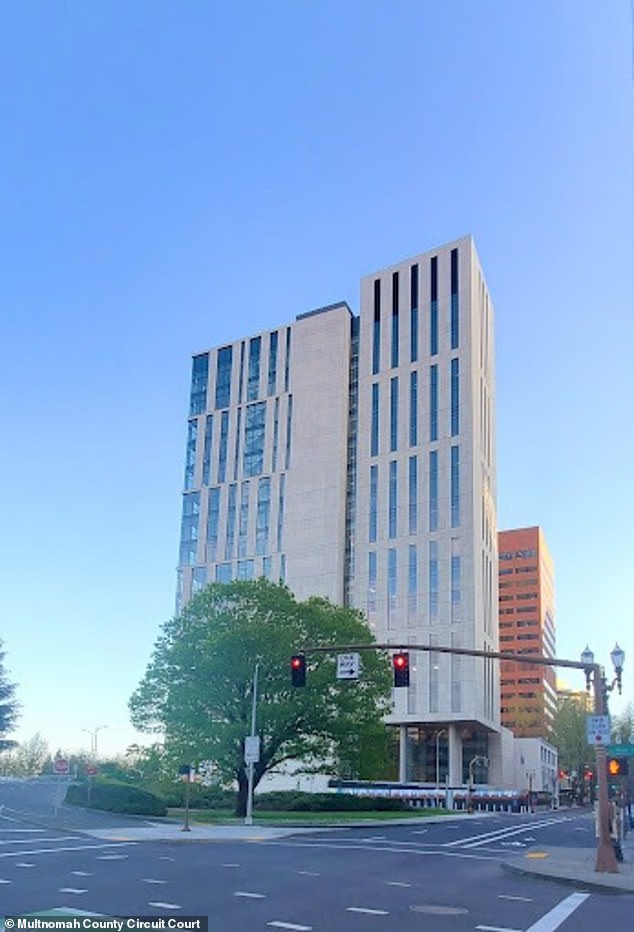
(527,626)
(354,457)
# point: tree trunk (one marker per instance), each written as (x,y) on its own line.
(241,796)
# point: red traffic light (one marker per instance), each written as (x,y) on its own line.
(298,670)
(400,664)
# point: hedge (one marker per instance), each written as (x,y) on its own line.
(292,801)
(112,796)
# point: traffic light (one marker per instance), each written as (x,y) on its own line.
(298,670)
(400,665)
(617,766)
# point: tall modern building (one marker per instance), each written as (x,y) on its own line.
(527,626)
(354,457)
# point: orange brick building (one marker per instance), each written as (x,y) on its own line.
(527,626)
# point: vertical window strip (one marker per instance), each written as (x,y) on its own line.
(454,311)
(433,403)
(287,359)
(393,415)
(189,529)
(455,587)
(236,461)
(209,426)
(374,422)
(200,375)
(253,383)
(433,309)
(413,495)
(392,585)
(393,500)
(376,329)
(372,574)
(254,439)
(280,511)
(455,486)
(374,493)
(433,490)
(243,523)
(213,518)
(434,585)
(455,397)
(276,433)
(283,567)
(262,517)
(289,428)
(395,331)
(272,375)
(222,447)
(413,315)
(412,583)
(241,374)
(190,453)
(223,377)
(231,521)
(413,409)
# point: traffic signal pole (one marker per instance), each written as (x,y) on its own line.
(606,855)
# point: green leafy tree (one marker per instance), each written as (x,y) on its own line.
(9,706)
(197,689)
(569,736)
(623,726)
(28,758)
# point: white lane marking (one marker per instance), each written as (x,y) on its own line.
(474,840)
(6,831)
(496,929)
(24,864)
(553,919)
(432,852)
(374,838)
(370,912)
(309,873)
(81,873)
(71,890)
(4,881)
(278,924)
(420,831)
(27,841)
(16,854)
(165,857)
(230,864)
(165,905)
(520,899)
(397,883)
(251,896)
(151,880)
(111,857)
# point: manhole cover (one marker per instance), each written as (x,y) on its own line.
(432,910)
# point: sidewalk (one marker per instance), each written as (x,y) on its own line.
(576,866)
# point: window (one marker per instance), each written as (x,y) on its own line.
(253,383)
(254,439)
(213,514)
(190,453)
(276,433)
(374,423)
(433,490)
(272,377)
(189,528)
(245,569)
(231,521)
(287,361)
(413,314)
(222,449)
(289,429)
(412,583)
(433,581)
(413,409)
(241,374)
(223,377)
(199,578)
(455,486)
(455,397)
(200,373)
(393,415)
(455,586)
(433,403)
(280,511)
(433,309)
(393,500)
(262,517)
(371,583)
(223,572)
(392,583)
(374,491)
(236,458)
(454,300)
(413,495)
(376,330)
(209,424)
(394,360)
(243,524)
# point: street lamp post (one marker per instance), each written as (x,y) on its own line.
(595,676)
(93,737)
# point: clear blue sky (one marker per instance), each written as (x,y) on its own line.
(179,174)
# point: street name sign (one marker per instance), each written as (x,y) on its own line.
(348,666)
(620,750)
(598,729)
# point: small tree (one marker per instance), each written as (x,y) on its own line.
(9,706)
(570,738)
(197,689)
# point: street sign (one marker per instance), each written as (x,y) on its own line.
(348,666)
(252,749)
(620,750)
(598,729)
(91,770)
(60,765)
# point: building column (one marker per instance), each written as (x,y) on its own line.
(402,754)
(454,744)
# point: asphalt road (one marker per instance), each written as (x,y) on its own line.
(435,877)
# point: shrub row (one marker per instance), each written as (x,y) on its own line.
(112,796)
(293,801)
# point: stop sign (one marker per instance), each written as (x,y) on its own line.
(91,770)
(60,765)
